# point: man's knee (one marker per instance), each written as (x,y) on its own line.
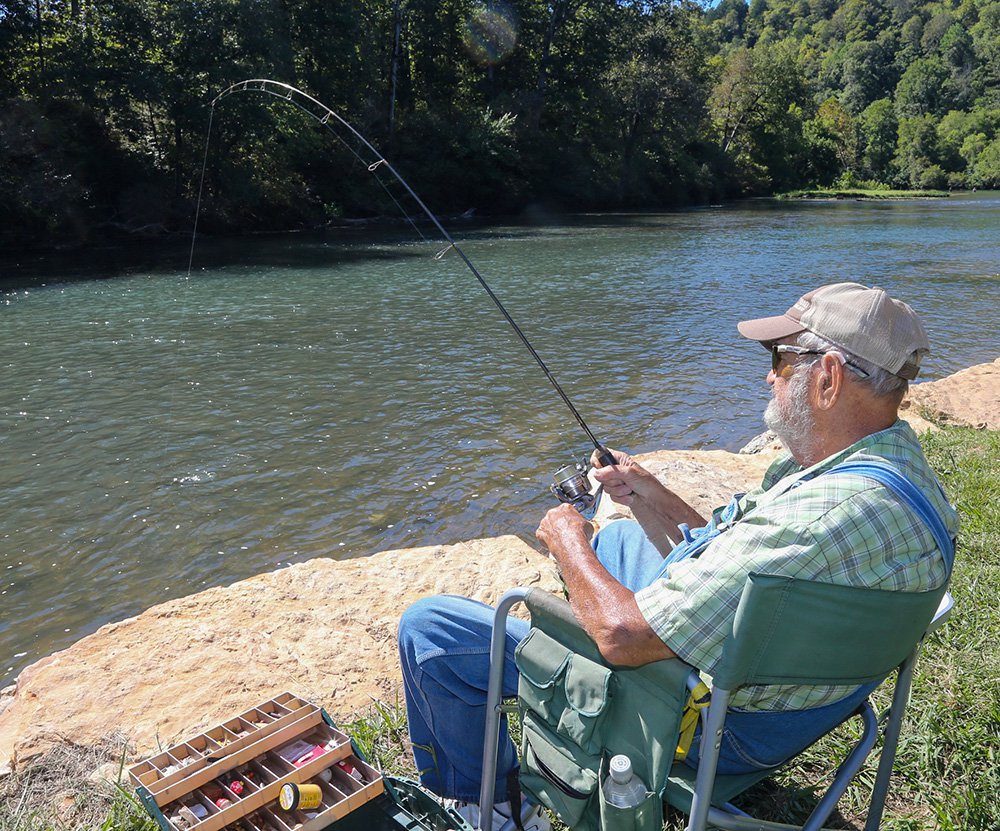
(441,623)
(619,534)
(624,550)
(417,626)
(417,617)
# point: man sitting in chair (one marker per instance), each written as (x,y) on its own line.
(841,358)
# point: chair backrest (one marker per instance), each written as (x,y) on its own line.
(792,631)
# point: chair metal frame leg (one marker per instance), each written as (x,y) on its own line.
(704,815)
(494,693)
(890,742)
(847,771)
(701,800)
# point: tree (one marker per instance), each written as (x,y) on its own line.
(838,123)
(727,19)
(657,92)
(561,13)
(863,19)
(910,35)
(821,164)
(952,131)
(877,127)
(923,88)
(916,159)
(756,110)
(986,51)
(985,171)
(934,30)
(867,75)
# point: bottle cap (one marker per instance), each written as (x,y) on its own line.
(620,768)
(305,796)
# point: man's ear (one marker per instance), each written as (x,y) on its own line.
(829,382)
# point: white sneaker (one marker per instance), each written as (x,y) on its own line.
(536,820)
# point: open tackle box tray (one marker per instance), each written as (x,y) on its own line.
(231,776)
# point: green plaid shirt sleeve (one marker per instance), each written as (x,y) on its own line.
(839,529)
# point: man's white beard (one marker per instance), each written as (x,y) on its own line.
(791,419)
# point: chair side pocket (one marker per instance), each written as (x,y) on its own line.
(556,773)
(646,816)
(568,691)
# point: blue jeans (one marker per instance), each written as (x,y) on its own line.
(444,648)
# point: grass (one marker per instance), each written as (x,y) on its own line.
(59,791)
(863,193)
(947,773)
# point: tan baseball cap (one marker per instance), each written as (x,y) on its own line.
(862,320)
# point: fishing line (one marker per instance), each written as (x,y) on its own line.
(374,163)
(201,187)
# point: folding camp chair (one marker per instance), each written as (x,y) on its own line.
(786,631)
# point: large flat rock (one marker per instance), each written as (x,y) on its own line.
(970,398)
(324,629)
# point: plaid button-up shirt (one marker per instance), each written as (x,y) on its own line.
(842,529)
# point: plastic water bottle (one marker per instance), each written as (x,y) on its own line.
(623,788)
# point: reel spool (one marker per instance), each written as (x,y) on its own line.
(574,486)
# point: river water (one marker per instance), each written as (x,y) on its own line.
(334,397)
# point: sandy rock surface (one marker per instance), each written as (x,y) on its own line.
(970,398)
(323,629)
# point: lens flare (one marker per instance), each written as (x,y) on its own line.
(491,34)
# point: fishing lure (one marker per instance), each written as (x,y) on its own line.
(572,484)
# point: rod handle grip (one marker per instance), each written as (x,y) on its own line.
(604,456)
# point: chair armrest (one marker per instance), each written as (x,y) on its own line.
(942,614)
(553,614)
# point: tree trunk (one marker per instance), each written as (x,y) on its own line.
(562,10)
(41,47)
(394,65)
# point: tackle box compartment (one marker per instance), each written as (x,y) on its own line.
(231,776)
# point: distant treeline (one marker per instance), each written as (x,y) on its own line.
(493,106)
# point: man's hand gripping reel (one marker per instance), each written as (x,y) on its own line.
(574,484)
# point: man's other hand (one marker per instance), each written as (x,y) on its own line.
(561,527)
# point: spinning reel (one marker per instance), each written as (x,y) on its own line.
(574,484)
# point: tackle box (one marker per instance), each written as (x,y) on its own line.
(231,777)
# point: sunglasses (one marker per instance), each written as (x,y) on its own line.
(779,349)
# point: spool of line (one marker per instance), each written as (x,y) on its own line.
(294,796)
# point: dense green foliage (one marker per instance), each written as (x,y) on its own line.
(495,105)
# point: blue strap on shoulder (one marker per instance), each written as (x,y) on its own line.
(910,494)
(696,540)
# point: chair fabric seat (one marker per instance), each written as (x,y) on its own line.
(680,786)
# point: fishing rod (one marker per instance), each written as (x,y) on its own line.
(572,484)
